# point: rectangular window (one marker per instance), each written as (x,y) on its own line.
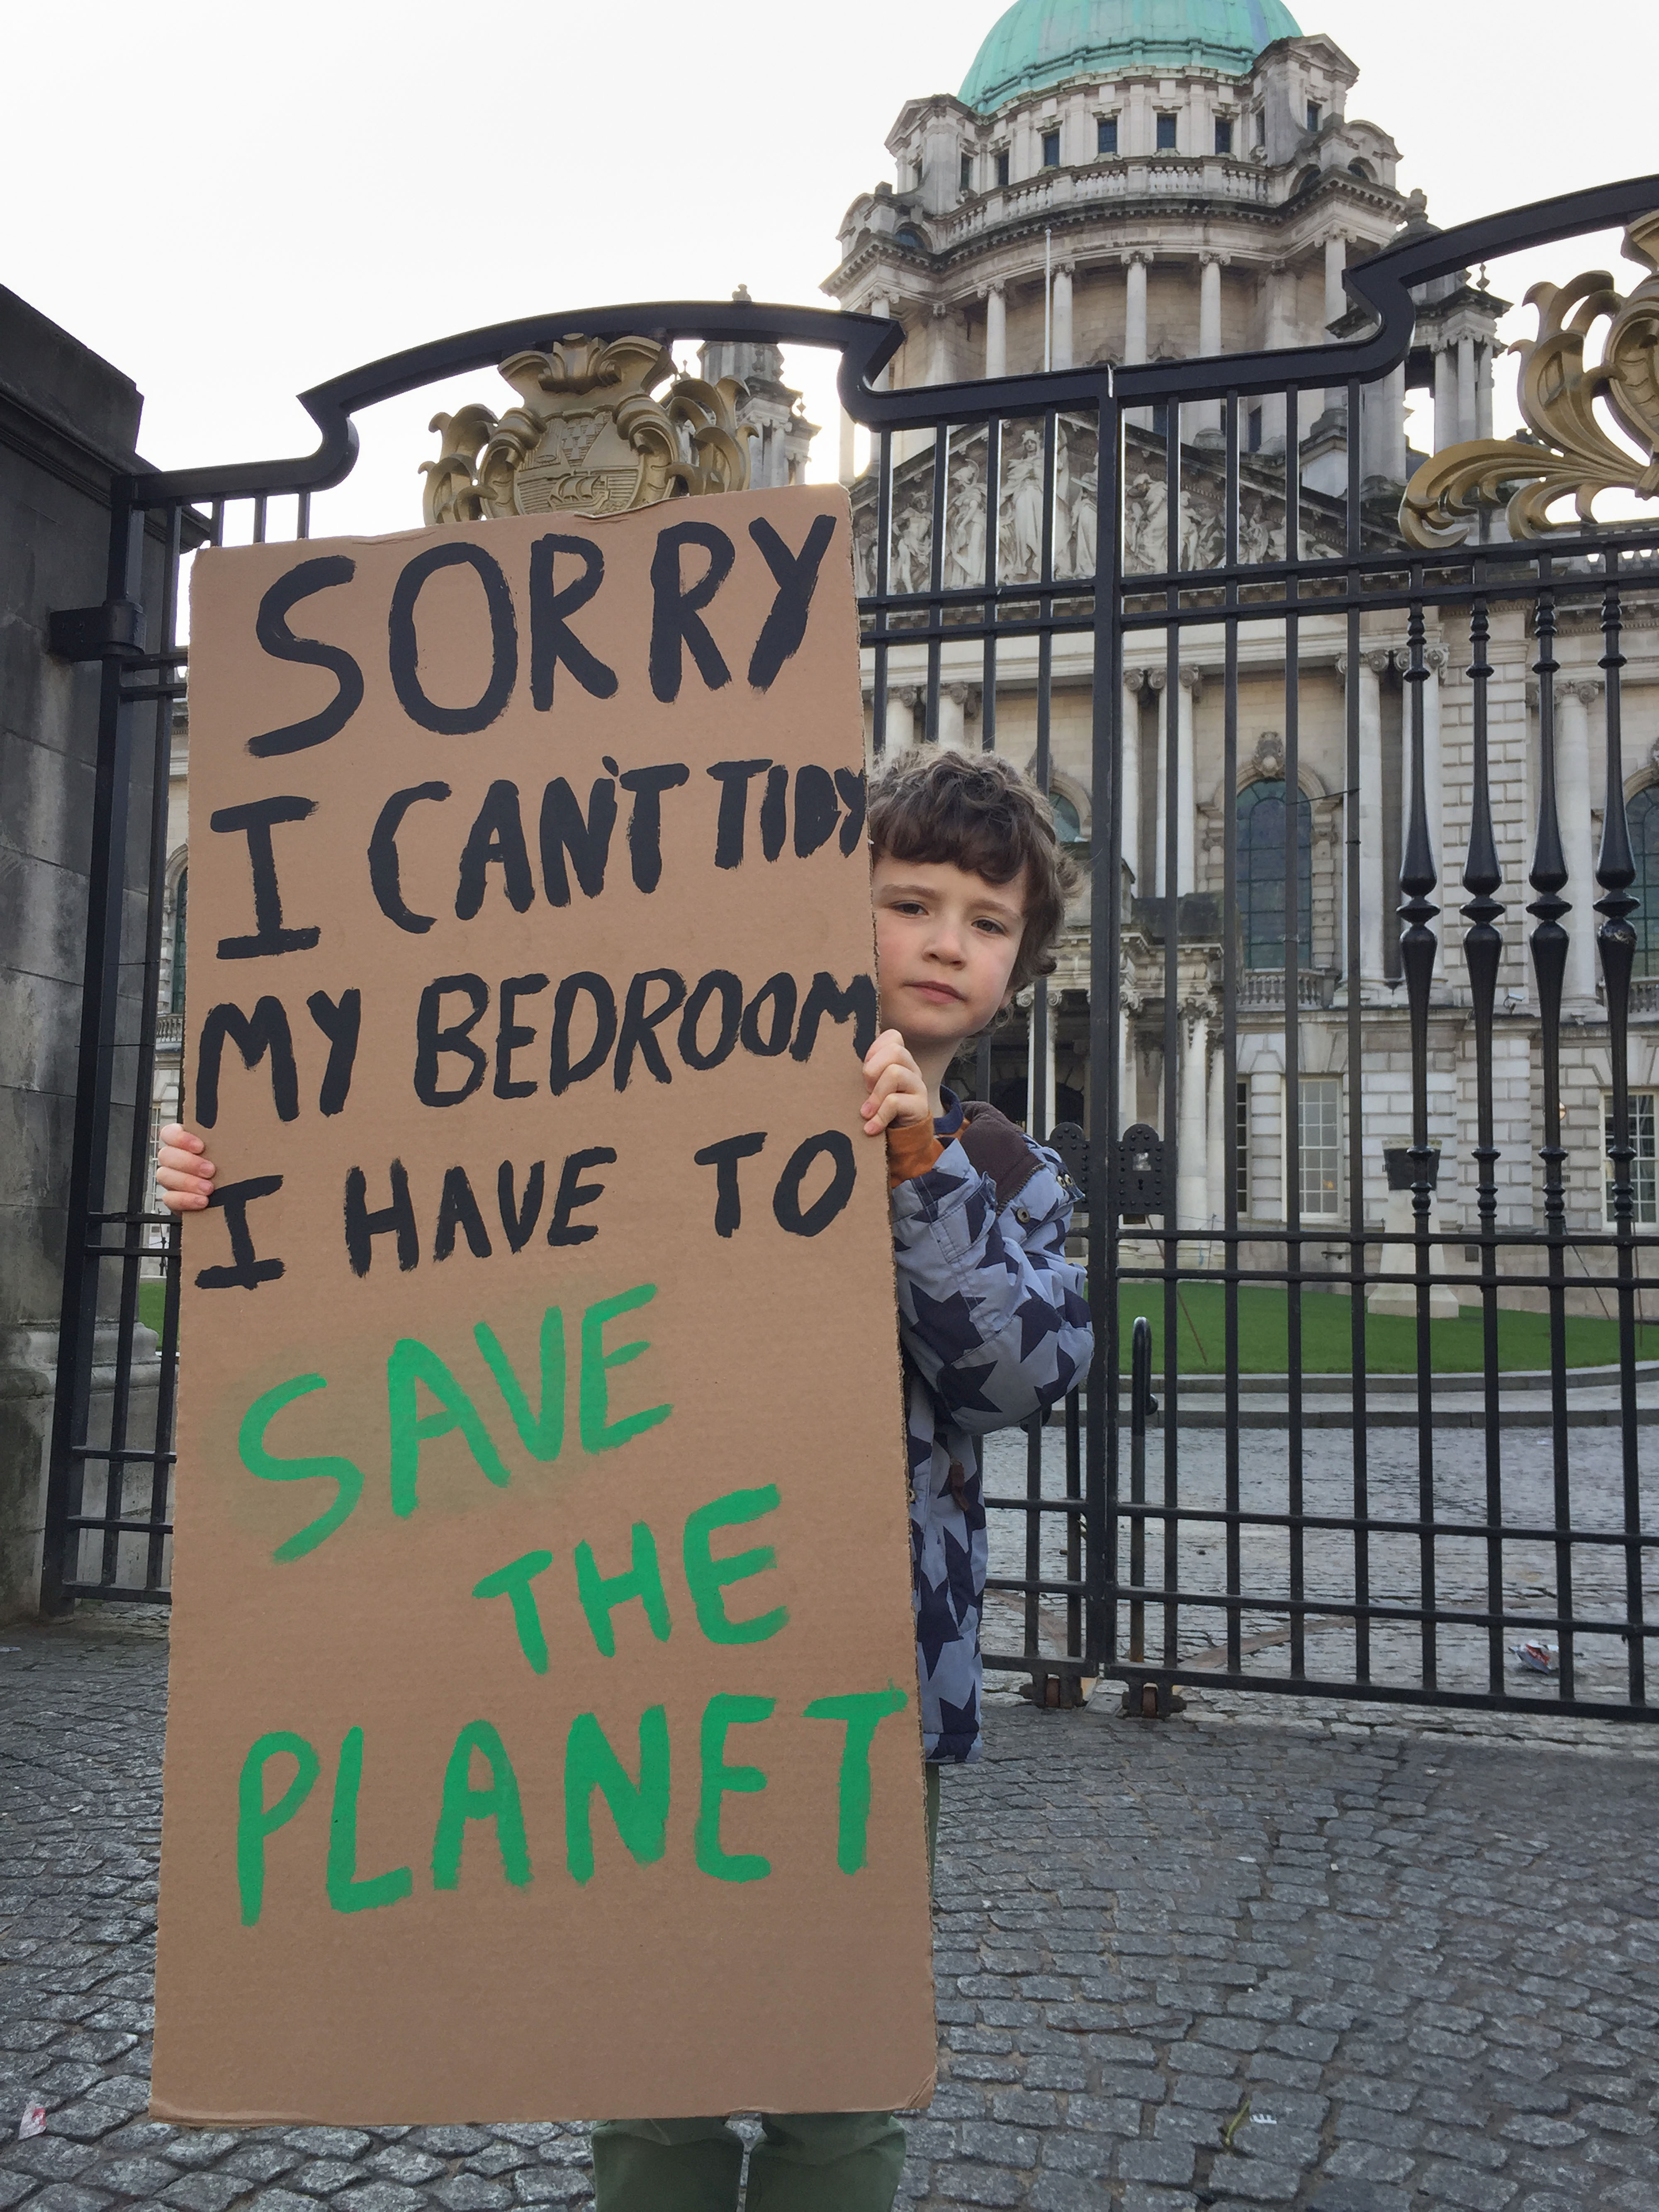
(1166,134)
(1002,166)
(1242,1146)
(1312,115)
(1253,431)
(967,173)
(1644,1168)
(1051,150)
(1262,127)
(1318,1127)
(1106,135)
(1223,134)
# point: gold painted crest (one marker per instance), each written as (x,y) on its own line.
(589,437)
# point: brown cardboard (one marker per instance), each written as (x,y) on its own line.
(653,1986)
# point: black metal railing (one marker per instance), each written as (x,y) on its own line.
(1028,542)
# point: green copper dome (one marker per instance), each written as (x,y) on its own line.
(1042,42)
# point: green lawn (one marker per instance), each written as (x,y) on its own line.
(1458,1345)
(1327,1342)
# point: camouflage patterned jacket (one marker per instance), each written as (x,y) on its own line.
(994,1327)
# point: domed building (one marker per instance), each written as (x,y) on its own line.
(1140,180)
(1131,180)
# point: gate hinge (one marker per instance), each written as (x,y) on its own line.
(113,631)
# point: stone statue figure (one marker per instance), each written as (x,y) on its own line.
(964,548)
(909,571)
(1023,496)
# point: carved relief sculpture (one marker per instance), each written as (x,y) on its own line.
(589,438)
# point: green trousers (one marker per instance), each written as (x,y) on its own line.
(803,2162)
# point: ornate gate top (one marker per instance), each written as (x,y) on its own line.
(590,438)
(1567,451)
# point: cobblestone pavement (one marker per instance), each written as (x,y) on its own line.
(1338,1959)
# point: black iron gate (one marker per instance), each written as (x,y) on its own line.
(1062,566)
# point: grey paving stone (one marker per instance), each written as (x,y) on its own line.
(471,2192)
(380,2197)
(206,2192)
(135,2177)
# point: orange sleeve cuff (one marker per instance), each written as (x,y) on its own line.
(911,1153)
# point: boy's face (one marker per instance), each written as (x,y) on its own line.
(945,946)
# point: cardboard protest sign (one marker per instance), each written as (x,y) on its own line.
(542,1740)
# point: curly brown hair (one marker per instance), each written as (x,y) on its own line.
(977,812)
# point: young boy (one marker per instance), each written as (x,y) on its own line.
(969,888)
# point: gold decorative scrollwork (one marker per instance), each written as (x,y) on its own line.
(589,438)
(1569,451)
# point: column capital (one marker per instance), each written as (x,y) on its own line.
(994,288)
(1378,658)
(1192,679)
(1134,680)
(1587,689)
(1211,257)
(1435,658)
(1133,253)
(1066,268)
(1157,678)
(965,696)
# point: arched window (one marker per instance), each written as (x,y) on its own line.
(1262,874)
(176,980)
(1068,826)
(1643,815)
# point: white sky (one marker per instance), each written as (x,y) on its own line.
(234,203)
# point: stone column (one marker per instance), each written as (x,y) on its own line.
(1336,306)
(953,700)
(1368,804)
(1157,684)
(1445,398)
(1048,1116)
(1483,393)
(1435,658)
(1193,1174)
(1134,306)
(1131,840)
(1273,403)
(1061,348)
(996,331)
(1219,1151)
(1336,260)
(907,710)
(1466,389)
(848,468)
(1191,691)
(1134,323)
(884,382)
(1382,417)
(1205,415)
(1573,701)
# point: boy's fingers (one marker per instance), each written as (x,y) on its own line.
(174,1157)
(176,1134)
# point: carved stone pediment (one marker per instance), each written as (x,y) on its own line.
(590,436)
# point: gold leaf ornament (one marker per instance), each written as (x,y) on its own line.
(590,437)
(1573,455)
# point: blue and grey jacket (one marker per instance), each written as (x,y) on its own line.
(993,1328)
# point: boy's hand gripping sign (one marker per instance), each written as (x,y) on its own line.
(543,1738)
